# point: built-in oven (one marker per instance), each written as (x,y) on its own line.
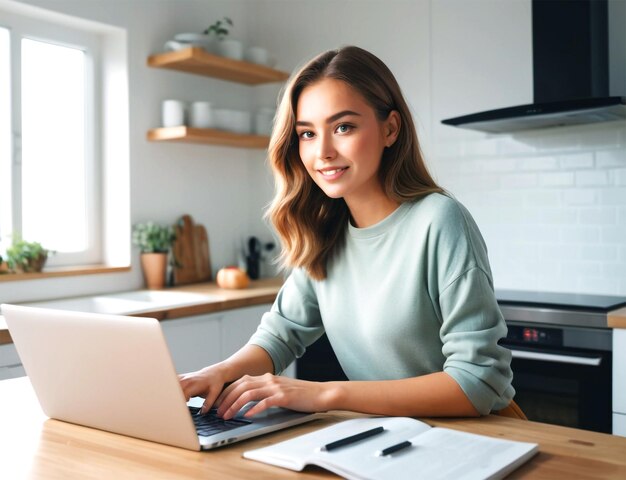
(562,356)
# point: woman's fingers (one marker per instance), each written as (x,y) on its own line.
(269,391)
(203,383)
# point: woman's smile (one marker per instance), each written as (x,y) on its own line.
(332,173)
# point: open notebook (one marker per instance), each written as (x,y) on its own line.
(398,448)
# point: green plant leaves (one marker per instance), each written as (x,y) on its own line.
(153,238)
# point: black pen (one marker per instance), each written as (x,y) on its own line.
(393,448)
(351,439)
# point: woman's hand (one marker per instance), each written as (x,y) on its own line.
(274,391)
(206,383)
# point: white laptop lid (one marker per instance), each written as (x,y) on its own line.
(109,372)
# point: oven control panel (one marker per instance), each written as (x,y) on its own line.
(524,335)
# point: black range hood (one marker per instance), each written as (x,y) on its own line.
(570,72)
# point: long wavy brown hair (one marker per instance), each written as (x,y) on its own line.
(311,225)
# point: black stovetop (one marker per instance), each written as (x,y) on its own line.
(574,301)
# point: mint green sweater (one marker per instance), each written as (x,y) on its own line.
(408,296)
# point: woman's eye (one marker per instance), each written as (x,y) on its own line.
(344,128)
(306,135)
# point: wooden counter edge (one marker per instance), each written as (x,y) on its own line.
(617,318)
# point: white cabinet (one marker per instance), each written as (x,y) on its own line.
(619,381)
(10,363)
(202,340)
(238,326)
(619,424)
(194,342)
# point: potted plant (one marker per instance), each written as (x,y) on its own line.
(226,47)
(26,257)
(220,29)
(154,242)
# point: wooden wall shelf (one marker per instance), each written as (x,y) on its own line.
(198,61)
(207,136)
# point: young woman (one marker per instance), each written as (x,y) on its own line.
(393,269)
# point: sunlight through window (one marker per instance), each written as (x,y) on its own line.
(53,146)
(5,136)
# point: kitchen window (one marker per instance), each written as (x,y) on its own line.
(49,161)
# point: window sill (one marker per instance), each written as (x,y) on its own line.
(63,272)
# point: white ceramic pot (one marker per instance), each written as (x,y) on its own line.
(264,121)
(237,121)
(207,42)
(201,115)
(231,48)
(173,113)
(258,55)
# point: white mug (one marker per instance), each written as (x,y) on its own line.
(231,48)
(258,55)
(201,115)
(264,121)
(173,113)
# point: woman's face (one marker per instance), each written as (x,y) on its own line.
(341,140)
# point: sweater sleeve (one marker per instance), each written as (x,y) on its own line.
(472,325)
(293,323)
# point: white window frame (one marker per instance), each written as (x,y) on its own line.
(21,26)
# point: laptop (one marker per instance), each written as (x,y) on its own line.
(115,373)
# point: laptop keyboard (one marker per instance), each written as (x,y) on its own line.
(210,423)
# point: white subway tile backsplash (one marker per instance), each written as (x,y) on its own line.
(576,161)
(557,250)
(512,146)
(482,148)
(542,198)
(615,270)
(580,197)
(598,285)
(602,135)
(619,176)
(448,149)
(558,140)
(581,268)
(561,179)
(519,180)
(611,158)
(599,253)
(597,216)
(613,196)
(592,178)
(614,234)
(557,216)
(580,234)
(551,205)
(539,163)
(500,165)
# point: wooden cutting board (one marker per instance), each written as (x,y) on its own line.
(191,252)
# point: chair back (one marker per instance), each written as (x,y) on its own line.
(512,410)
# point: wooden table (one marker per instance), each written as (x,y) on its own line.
(32,446)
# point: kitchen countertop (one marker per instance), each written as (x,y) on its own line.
(35,447)
(259,292)
(617,318)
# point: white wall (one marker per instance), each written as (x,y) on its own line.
(551,204)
